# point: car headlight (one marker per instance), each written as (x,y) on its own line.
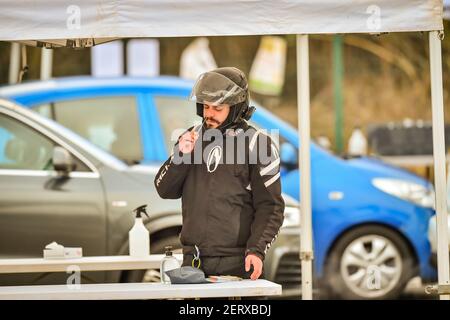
(291,217)
(406,190)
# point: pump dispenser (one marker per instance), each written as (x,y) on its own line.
(169,262)
(139,237)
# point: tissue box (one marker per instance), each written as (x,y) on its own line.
(70,253)
(57,251)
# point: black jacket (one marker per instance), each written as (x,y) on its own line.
(231,206)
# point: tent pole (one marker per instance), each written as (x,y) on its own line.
(437,106)
(303,105)
(46,63)
(14,63)
(338,76)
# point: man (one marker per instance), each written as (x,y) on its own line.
(231,195)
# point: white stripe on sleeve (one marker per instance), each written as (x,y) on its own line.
(272,180)
(270,167)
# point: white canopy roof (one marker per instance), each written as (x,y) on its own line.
(87,19)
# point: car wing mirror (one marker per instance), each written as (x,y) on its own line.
(62,161)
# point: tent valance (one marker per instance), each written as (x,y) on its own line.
(86,19)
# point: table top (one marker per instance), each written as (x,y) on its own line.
(84,264)
(242,288)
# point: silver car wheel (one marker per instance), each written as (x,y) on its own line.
(371,266)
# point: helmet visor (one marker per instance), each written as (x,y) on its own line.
(216,89)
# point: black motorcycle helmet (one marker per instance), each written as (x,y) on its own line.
(227,85)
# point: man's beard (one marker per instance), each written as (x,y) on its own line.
(212,125)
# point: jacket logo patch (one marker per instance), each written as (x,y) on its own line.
(214,157)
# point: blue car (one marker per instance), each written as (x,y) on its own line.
(370,219)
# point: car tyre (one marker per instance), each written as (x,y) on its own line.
(369,262)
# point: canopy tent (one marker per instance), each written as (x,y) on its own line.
(85,19)
(85,23)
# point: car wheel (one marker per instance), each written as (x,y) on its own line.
(370,262)
(153,275)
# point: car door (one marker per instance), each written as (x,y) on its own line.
(36,205)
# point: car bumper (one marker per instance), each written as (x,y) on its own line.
(433,260)
(432,232)
(432,237)
(282,262)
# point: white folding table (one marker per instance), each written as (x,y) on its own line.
(234,289)
(105,263)
(124,291)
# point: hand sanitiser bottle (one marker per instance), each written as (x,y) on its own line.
(169,262)
(139,236)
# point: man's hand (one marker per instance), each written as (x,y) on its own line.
(257,263)
(187,141)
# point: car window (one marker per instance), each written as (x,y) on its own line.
(23,148)
(175,113)
(111,123)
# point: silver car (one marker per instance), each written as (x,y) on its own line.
(57,186)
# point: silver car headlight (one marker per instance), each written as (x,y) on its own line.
(291,217)
(406,190)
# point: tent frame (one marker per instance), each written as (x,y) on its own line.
(433,11)
(437,105)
